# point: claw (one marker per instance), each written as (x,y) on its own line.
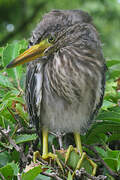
(36,155)
(69,150)
(94,166)
(54,157)
(47,156)
(83,157)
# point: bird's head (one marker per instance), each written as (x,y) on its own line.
(57,29)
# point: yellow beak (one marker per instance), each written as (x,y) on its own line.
(30,54)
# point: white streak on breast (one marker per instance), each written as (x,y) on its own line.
(39,81)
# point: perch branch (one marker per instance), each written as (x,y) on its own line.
(82,172)
(12,142)
(52,175)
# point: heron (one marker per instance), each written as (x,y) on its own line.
(65,78)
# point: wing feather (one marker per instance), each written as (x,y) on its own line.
(33,92)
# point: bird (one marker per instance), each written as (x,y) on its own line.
(65,78)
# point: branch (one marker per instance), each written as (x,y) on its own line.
(82,172)
(52,175)
(59,136)
(26,131)
(12,115)
(12,142)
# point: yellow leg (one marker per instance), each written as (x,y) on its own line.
(45,142)
(78,142)
(83,155)
(45,154)
(94,165)
(45,146)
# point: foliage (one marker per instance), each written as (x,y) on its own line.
(103,135)
(17,140)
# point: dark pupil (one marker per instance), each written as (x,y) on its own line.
(51,39)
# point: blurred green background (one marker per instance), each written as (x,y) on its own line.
(19,17)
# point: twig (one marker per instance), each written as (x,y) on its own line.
(60,142)
(52,175)
(59,136)
(66,166)
(26,131)
(82,172)
(112,173)
(44,163)
(12,115)
(41,161)
(63,164)
(12,142)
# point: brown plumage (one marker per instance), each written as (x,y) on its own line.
(65,87)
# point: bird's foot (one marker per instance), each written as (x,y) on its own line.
(47,157)
(36,155)
(83,156)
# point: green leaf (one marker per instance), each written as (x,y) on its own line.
(8,98)
(69,176)
(112,116)
(118,168)
(112,159)
(114,74)
(1,54)
(107,104)
(9,170)
(4,158)
(113,137)
(25,138)
(22,113)
(31,174)
(15,168)
(101,151)
(6,146)
(110,89)
(5,82)
(23,46)
(112,163)
(113,154)
(1,51)
(112,62)
(114,71)
(42,177)
(10,52)
(94,134)
(73,159)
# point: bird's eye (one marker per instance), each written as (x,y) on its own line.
(51,39)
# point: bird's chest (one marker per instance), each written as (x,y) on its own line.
(63,108)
